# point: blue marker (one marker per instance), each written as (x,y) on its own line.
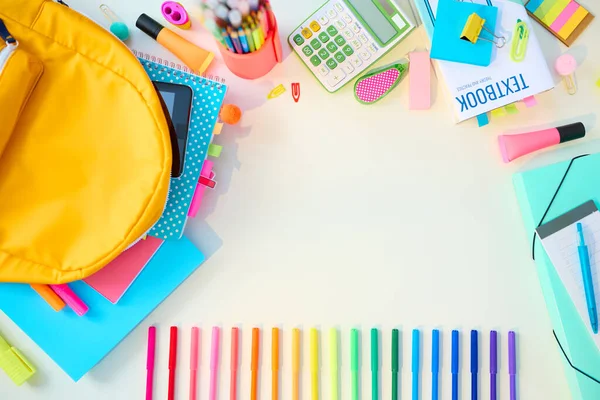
(435,363)
(454,367)
(415,364)
(588,283)
(474,364)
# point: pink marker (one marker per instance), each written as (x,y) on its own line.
(194,364)
(214,363)
(64,292)
(150,362)
(515,146)
(197,199)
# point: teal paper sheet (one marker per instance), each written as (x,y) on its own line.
(77,344)
(535,189)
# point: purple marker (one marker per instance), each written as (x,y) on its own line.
(512,365)
(493,363)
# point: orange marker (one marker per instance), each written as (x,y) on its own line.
(48,294)
(295,364)
(254,366)
(275,364)
(235,360)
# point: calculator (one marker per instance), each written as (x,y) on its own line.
(344,37)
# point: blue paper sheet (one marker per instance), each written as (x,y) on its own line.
(77,344)
(450,21)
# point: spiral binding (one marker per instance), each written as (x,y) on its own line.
(180,70)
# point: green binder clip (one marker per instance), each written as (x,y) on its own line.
(378,83)
(519,42)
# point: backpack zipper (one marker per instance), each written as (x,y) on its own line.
(11,45)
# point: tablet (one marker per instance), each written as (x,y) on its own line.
(177,103)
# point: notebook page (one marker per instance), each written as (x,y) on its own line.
(559,238)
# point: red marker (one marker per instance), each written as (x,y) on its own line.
(172,362)
(296,91)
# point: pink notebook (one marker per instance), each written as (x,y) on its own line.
(113,280)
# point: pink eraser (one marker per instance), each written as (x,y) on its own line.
(419,81)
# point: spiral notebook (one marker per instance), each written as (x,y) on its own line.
(208,96)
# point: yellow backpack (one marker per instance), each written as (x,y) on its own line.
(85,151)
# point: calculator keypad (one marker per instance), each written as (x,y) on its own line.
(334,44)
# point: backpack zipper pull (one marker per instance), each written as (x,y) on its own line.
(6,36)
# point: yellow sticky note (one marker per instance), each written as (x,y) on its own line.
(498,112)
(218,128)
(573,23)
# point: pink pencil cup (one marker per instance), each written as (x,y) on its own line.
(257,64)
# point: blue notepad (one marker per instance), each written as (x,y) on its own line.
(77,344)
(206,104)
(451,18)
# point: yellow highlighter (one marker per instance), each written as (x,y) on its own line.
(296,363)
(16,366)
(314,363)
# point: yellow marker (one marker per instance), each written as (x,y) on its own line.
(314,363)
(276,92)
(18,369)
(295,363)
(333,362)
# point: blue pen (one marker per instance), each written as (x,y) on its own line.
(415,364)
(242,36)
(454,367)
(588,283)
(435,363)
(228,41)
(474,364)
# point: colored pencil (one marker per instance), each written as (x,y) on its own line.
(254,365)
(235,360)
(296,363)
(275,364)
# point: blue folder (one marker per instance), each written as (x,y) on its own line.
(77,344)
(535,190)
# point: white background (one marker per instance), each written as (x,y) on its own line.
(331,213)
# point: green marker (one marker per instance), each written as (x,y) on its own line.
(374,364)
(354,362)
(395,367)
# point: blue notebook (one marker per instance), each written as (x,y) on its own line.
(535,190)
(206,104)
(77,344)
(451,18)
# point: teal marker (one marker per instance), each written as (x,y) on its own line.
(588,283)
(354,362)
(395,363)
(415,363)
(374,364)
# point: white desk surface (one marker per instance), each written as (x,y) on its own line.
(332,213)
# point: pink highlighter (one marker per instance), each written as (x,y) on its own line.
(515,146)
(71,299)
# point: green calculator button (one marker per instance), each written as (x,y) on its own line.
(331,47)
(298,39)
(315,60)
(340,40)
(331,63)
(315,44)
(332,31)
(324,37)
(340,57)
(348,50)
(323,53)
(307,51)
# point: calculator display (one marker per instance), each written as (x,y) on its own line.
(374,17)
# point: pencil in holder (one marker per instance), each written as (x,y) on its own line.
(256,64)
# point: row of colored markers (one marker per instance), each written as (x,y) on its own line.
(333,360)
(240,25)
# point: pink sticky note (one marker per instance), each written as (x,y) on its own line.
(419,81)
(530,101)
(113,280)
(199,193)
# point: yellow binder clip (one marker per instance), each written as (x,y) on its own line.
(472,31)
